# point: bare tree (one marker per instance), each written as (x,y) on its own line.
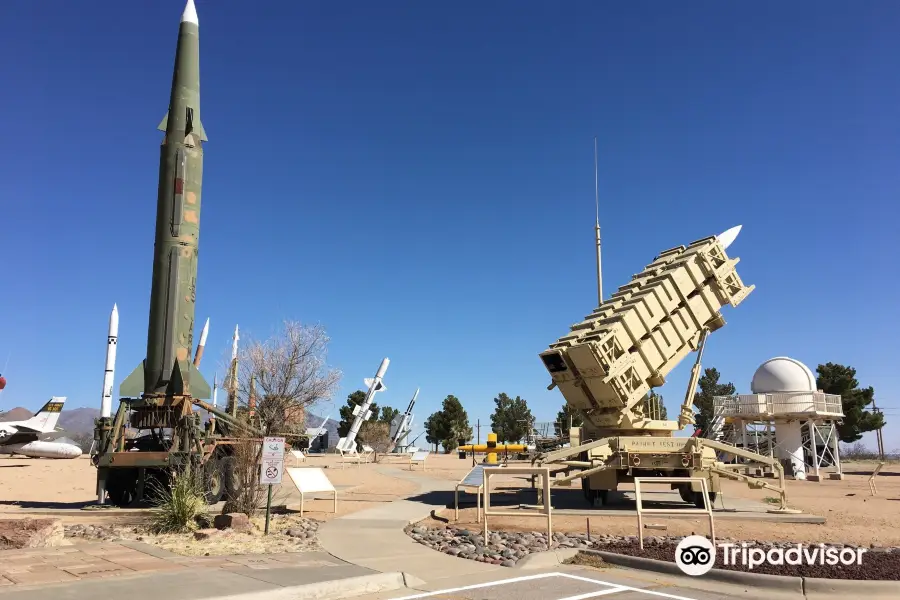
(281,378)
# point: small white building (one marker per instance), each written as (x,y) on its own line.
(785,416)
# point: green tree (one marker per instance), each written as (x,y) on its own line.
(562,420)
(654,407)
(388,414)
(434,428)
(841,380)
(709,388)
(353,400)
(512,419)
(453,423)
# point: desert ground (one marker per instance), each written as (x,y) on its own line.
(63,487)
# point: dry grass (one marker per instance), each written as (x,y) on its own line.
(587,560)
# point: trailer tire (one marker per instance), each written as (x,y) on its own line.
(213,481)
(122,486)
(695,498)
(229,477)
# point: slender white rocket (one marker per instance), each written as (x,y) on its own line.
(198,354)
(215,389)
(234,343)
(362,412)
(112,340)
(190,13)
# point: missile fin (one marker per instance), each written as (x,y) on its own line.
(133,385)
(197,125)
(199,387)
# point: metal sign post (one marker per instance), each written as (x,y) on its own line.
(271,469)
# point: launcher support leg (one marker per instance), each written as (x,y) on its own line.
(687,408)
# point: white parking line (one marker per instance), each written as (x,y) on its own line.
(595,594)
(479,585)
(611,588)
(621,588)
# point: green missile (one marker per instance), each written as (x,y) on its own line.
(168,369)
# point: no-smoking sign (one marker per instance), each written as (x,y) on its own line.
(272,469)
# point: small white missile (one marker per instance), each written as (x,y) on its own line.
(726,238)
(112,339)
(362,412)
(234,343)
(215,389)
(201,345)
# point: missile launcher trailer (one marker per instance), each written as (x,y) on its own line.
(608,363)
(168,436)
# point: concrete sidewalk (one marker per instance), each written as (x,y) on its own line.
(375,538)
(137,571)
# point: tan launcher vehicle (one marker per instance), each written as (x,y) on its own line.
(606,366)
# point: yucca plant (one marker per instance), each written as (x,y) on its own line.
(179,507)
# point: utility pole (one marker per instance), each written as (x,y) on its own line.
(878,437)
(478,428)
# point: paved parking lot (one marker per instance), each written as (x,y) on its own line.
(579,585)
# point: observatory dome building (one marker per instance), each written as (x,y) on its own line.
(785,416)
(781,375)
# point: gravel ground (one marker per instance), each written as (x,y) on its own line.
(507,548)
(287,533)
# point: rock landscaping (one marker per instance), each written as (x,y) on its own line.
(507,548)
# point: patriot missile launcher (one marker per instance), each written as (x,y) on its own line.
(607,365)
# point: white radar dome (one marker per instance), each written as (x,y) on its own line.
(782,374)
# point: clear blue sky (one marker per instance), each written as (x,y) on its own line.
(418,178)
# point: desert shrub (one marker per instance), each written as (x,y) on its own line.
(179,503)
(247,495)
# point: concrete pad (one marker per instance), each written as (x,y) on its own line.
(182,585)
(293,576)
(426,568)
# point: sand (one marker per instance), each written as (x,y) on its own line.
(853,516)
(63,487)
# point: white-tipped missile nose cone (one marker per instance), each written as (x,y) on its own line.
(190,13)
(383,367)
(726,238)
(114,321)
(204,333)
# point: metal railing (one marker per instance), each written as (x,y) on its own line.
(755,406)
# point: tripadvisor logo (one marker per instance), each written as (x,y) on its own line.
(695,555)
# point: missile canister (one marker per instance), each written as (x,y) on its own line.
(609,361)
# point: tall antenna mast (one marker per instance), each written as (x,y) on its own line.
(597,227)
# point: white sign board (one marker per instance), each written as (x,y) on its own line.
(419,456)
(311,481)
(271,471)
(273,447)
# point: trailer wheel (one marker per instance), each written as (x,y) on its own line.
(230,477)
(213,481)
(122,486)
(695,498)
(698,499)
